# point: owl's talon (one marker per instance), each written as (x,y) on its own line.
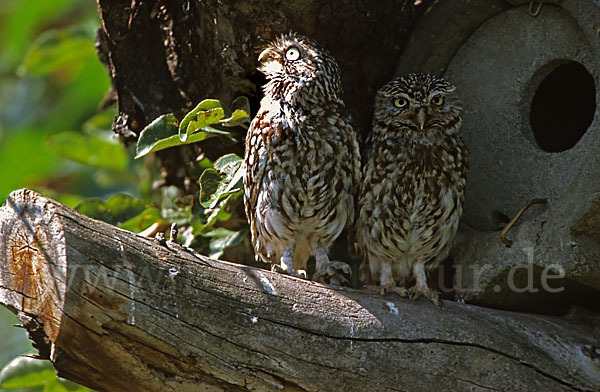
(298,274)
(333,273)
(423,291)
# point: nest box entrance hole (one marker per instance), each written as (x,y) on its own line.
(563,107)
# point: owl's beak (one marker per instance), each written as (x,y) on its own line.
(265,55)
(421,118)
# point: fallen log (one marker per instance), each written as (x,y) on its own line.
(116,311)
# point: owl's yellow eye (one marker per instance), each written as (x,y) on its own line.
(292,54)
(400,102)
(437,100)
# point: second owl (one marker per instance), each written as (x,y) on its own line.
(302,160)
(413,186)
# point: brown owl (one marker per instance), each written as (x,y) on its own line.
(413,184)
(302,161)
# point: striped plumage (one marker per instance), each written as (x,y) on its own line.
(302,160)
(413,184)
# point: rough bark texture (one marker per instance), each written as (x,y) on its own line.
(116,311)
(163,56)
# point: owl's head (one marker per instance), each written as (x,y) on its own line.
(297,68)
(419,103)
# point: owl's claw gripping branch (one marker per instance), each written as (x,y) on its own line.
(419,290)
(333,272)
(291,272)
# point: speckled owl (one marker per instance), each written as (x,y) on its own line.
(302,161)
(413,184)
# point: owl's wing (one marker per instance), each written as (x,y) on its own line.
(255,169)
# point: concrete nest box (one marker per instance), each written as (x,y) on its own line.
(527,73)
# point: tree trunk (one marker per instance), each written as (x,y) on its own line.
(164,56)
(117,311)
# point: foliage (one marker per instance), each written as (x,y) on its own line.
(197,125)
(55,140)
(220,185)
(52,137)
(28,375)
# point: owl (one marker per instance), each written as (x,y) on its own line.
(302,161)
(413,184)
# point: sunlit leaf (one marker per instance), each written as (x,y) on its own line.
(25,372)
(55,49)
(163,133)
(157,134)
(207,112)
(89,150)
(222,238)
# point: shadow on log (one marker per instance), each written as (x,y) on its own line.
(116,311)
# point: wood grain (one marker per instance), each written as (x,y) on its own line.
(116,311)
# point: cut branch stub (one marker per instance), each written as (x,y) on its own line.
(122,312)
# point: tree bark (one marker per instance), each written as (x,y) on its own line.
(116,311)
(163,56)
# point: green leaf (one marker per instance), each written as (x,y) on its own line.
(119,209)
(24,160)
(163,133)
(142,221)
(62,385)
(175,208)
(242,103)
(56,49)
(14,340)
(25,372)
(21,20)
(222,238)
(219,186)
(207,112)
(232,166)
(89,150)
(209,182)
(100,121)
(225,179)
(156,136)
(123,207)
(240,115)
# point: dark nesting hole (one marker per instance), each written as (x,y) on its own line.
(563,107)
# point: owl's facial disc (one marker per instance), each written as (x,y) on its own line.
(269,62)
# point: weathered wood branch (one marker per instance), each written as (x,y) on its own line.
(116,311)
